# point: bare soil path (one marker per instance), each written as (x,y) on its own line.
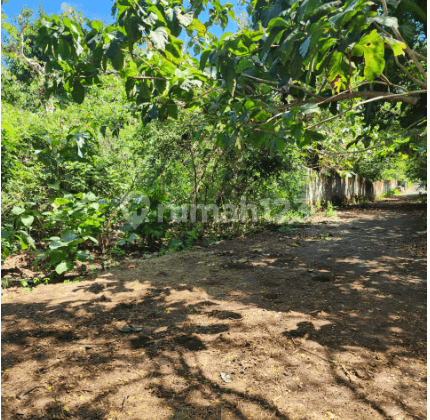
(325,322)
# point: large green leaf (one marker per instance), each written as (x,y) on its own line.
(27,220)
(384,21)
(25,239)
(372,47)
(78,92)
(338,68)
(17,210)
(275,34)
(159,38)
(151,19)
(63,267)
(186,19)
(204,58)
(230,79)
(131,70)
(60,201)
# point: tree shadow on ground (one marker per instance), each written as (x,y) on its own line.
(301,336)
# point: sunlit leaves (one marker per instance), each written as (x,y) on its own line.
(372,47)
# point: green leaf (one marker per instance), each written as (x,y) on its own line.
(305,46)
(385,21)
(337,20)
(372,47)
(310,109)
(78,93)
(60,201)
(55,185)
(199,27)
(131,70)
(173,109)
(17,210)
(97,25)
(159,38)
(151,19)
(23,244)
(63,49)
(111,50)
(118,61)
(185,20)
(154,9)
(311,135)
(244,64)
(92,239)
(63,267)
(280,144)
(70,237)
(338,69)
(296,132)
(56,245)
(83,256)
(25,239)
(204,58)
(230,78)
(27,220)
(275,34)
(396,46)
(253,36)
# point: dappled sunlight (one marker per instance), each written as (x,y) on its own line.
(344,333)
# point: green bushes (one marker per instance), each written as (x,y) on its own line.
(77,219)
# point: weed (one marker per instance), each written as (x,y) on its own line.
(6,283)
(285,229)
(77,280)
(118,252)
(330,212)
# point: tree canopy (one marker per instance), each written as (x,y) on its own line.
(264,82)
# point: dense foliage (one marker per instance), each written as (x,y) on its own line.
(94,116)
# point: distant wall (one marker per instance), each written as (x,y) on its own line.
(330,186)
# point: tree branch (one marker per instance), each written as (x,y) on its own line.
(409,75)
(410,52)
(400,97)
(363,103)
(33,64)
(267,82)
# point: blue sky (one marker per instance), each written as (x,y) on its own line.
(93,10)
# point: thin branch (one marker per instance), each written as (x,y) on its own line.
(363,103)
(373,147)
(33,64)
(421,120)
(148,77)
(410,52)
(409,75)
(401,97)
(267,82)
(422,57)
(386,83)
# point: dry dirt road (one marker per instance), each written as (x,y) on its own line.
(325,322)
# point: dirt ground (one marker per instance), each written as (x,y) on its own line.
(326,322)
